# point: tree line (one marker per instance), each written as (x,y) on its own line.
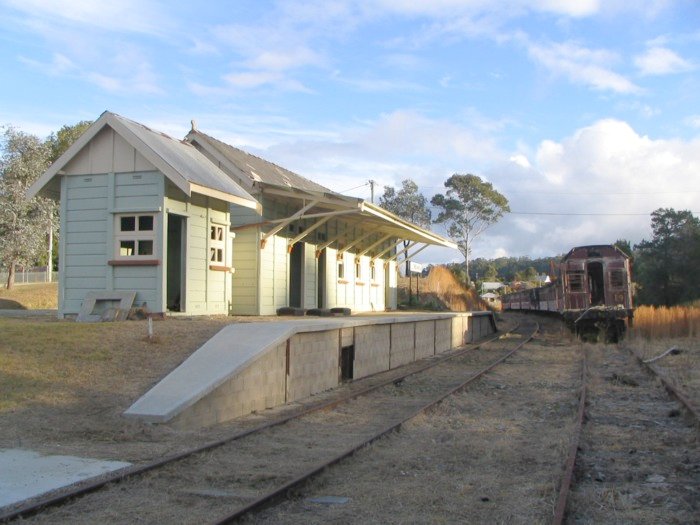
(664,268)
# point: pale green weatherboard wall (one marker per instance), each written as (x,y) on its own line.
(261,280)
(107,177)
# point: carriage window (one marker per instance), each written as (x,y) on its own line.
(576,281)
(617,278)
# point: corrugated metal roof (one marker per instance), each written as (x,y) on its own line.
(255,168)
(184,158)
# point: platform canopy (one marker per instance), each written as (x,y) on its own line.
(369,229)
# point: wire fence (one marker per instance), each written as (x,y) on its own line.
(29,276)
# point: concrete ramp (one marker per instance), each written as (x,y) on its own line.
(230,350)
(248,367)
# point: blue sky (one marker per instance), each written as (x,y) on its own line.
(567,107)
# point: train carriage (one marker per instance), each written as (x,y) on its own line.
(593,292)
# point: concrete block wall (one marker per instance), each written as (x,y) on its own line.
(347,336)
(425,339)
(372,349)
(443,335)
(313,363)
(403,344)
(308,363)
(480,326)
(459,331)
(257,387)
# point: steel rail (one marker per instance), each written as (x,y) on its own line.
(672,389)
(82,488)
(564,488)
(280,492)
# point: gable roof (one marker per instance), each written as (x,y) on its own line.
(261,176)
(249,168)
(178,160)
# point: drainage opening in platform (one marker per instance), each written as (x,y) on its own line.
(347,362)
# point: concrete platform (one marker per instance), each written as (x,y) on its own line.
(252,366)
(25,474)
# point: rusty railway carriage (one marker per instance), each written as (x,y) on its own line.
(593,293)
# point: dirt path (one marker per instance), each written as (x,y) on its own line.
(639,459)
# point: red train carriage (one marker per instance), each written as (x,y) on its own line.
(593,292)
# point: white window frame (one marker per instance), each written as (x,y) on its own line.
(137,236)
(217,244)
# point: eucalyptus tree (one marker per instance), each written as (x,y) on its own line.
(23,222)
(409,204)
(469,206)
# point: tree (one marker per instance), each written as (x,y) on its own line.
(408,204)
(666,266)
(625,247)
(23,222)
(64,138)
(469,206)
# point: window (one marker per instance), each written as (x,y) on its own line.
(617,278)
(372,271)
(358,268)
(341,270)
(135,236)
(216,244)
(576,281)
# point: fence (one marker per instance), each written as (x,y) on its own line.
(29,276)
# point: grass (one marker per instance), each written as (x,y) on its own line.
(41,296)
(440,290)
(657,329)
(58,362)
(663,323)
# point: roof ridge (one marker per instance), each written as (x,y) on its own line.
(283,171)
(148,128)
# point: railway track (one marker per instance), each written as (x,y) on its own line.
(156,492)
(633,457)
(491,451)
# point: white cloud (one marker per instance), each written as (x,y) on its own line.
(447,8)
(139,16)
(521,160)
(604,168)
(693,121)
(582,66)
(59,64)
(661,61)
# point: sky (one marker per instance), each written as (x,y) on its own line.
(585,114)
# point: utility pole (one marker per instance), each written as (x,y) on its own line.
(371,190)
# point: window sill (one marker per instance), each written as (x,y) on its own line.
(134,262)
(359,283)
(343,281)
(375,285)
(215,268)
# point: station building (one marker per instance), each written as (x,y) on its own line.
(201,227)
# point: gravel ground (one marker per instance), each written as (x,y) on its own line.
(639,459)
(491,454)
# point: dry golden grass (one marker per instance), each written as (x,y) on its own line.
(442,289)
(57,362)
(41,296)
(663,323)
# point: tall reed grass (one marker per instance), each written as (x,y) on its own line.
(664,323)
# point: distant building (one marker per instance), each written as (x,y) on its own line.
(491,286)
